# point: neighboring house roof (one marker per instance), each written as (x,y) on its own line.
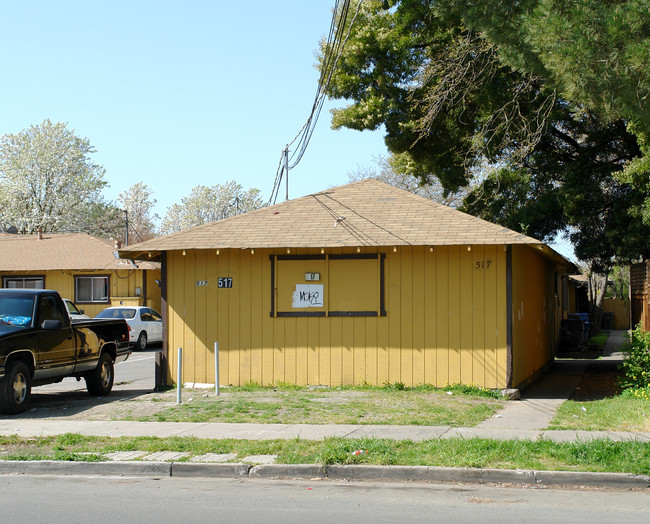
(364,213)
(579,279)
(57,251)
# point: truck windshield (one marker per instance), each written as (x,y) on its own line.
(16,311)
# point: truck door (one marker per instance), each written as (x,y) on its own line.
(56,342)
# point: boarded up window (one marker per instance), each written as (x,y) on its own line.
(328,285)
(294,292)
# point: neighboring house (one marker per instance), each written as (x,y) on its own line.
(576,294)
(80,267)
(616,312)
(640,294)
(362,283)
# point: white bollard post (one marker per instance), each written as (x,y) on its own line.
(216,368)
(179,378)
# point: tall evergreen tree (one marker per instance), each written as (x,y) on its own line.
(459,85)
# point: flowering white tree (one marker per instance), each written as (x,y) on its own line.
(48,180)
(208,204)
(137,202)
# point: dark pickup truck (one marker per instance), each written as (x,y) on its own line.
(40,345)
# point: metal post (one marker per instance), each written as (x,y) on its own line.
(179,378)
(286,170)
(126,226)
(216,368)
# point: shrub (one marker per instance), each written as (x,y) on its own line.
(636,365)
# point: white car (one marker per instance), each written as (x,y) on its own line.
(73,311)
(145,324)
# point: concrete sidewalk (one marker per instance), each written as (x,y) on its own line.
(212,430)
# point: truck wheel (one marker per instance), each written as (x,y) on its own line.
(100,380)
(16,388)
(142,340)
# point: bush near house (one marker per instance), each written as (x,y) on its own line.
(636,365)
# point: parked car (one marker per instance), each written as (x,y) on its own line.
(145,324)
(73,311)
(40,345)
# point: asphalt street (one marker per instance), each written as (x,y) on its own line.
(29,499)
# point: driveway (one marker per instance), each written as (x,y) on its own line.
(134,377)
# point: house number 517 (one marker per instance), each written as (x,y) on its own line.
(225,282)
(482,264)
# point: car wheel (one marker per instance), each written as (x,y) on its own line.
(142,341)
(16,388)
(100,380)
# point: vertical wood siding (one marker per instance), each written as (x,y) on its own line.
(534,313)
(445,322)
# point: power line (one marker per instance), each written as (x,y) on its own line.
(332,53)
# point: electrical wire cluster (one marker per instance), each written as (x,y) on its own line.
(336,40)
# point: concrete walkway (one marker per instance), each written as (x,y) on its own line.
(540,402)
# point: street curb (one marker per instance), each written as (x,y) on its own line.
(54,467)
(289,471)
(193,469)
(431,474)
(358,472)
(441,474)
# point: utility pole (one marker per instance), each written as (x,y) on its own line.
(126,226)
(286,170)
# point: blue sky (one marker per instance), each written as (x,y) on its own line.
(179,93)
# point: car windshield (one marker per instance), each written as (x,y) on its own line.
(16,311)
(117,313)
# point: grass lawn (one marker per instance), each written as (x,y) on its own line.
(599,340)
(609,414)
(457,406)
(601,456)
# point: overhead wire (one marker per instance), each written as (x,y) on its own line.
(332,53)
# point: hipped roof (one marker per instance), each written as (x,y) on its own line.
(366,213)
(76,251)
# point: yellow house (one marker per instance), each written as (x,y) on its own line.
(80,267)
(362,283)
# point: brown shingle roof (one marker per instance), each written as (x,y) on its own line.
(364,213)
(77,251)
